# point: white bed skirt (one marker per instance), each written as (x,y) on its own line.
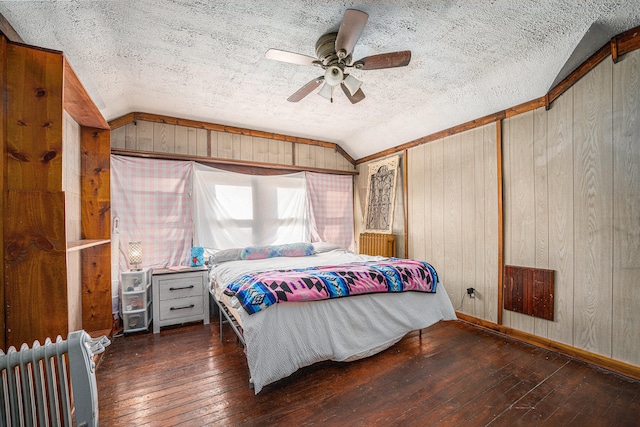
(286,337)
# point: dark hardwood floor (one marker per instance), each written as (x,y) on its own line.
(455,374)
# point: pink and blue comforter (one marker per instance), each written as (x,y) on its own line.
(257,291)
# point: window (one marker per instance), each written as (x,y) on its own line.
(236,210)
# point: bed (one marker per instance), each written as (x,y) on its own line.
(283,337)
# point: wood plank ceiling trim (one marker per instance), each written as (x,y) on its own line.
(155,118)
(619,45)
(122,121)
(242,166)
(436,136)
(9,32)
(625,43)
(579,72)
(78,103)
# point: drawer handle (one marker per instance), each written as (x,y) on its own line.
(182,308)
(178,289)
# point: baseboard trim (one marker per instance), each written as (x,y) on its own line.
(617,366)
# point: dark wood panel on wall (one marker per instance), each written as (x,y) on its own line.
(96,288)
(3,78)
(34,266)
(96,224)
(529,291)
(34,119)
(95,183)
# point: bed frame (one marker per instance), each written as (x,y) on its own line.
(227,318)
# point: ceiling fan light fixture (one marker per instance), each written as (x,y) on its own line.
(333,76)
(326,91)
(352,84)
(334,54)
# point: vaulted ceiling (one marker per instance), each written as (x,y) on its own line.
(205,60)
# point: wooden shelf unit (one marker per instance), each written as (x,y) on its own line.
(56,251)
(86,243)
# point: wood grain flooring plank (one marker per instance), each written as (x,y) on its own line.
(452,374)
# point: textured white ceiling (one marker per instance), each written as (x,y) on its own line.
(204,60)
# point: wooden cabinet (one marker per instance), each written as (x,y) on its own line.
(56,272)
(180,297)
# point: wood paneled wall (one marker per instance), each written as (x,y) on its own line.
(626,213)
(572,204)
(360,199)
(453,217)
(141,135)
(34,270)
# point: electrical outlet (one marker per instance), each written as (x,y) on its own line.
(471,292)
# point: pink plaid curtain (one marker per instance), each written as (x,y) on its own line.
(331,208)
(152,198)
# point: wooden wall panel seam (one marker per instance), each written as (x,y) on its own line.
(500,184)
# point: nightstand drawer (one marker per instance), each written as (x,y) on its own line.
(180,297)
(181,308)
(180,288)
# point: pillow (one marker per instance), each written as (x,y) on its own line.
(297,249)
(226,255)
(288,249)
(325,247)
(255,252)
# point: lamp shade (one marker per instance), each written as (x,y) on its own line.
(352,84)
(326,91)
(333,76)
(135,253)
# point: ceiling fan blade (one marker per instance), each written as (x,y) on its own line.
(306,89)
(350,30)
(356,97)
(384,60)
(289,57)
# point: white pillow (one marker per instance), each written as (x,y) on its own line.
(226,255)
(320,247)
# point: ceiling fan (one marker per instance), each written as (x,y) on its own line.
(334,55)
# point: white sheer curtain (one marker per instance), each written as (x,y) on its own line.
(232,210)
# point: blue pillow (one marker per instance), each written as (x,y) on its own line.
(287,249)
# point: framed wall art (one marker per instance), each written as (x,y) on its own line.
(381,195)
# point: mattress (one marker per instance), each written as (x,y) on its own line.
(288,336)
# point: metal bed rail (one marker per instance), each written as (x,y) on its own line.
(227,318)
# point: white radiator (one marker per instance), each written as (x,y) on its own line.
(35,384)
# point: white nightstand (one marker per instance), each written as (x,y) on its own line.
(180,296)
